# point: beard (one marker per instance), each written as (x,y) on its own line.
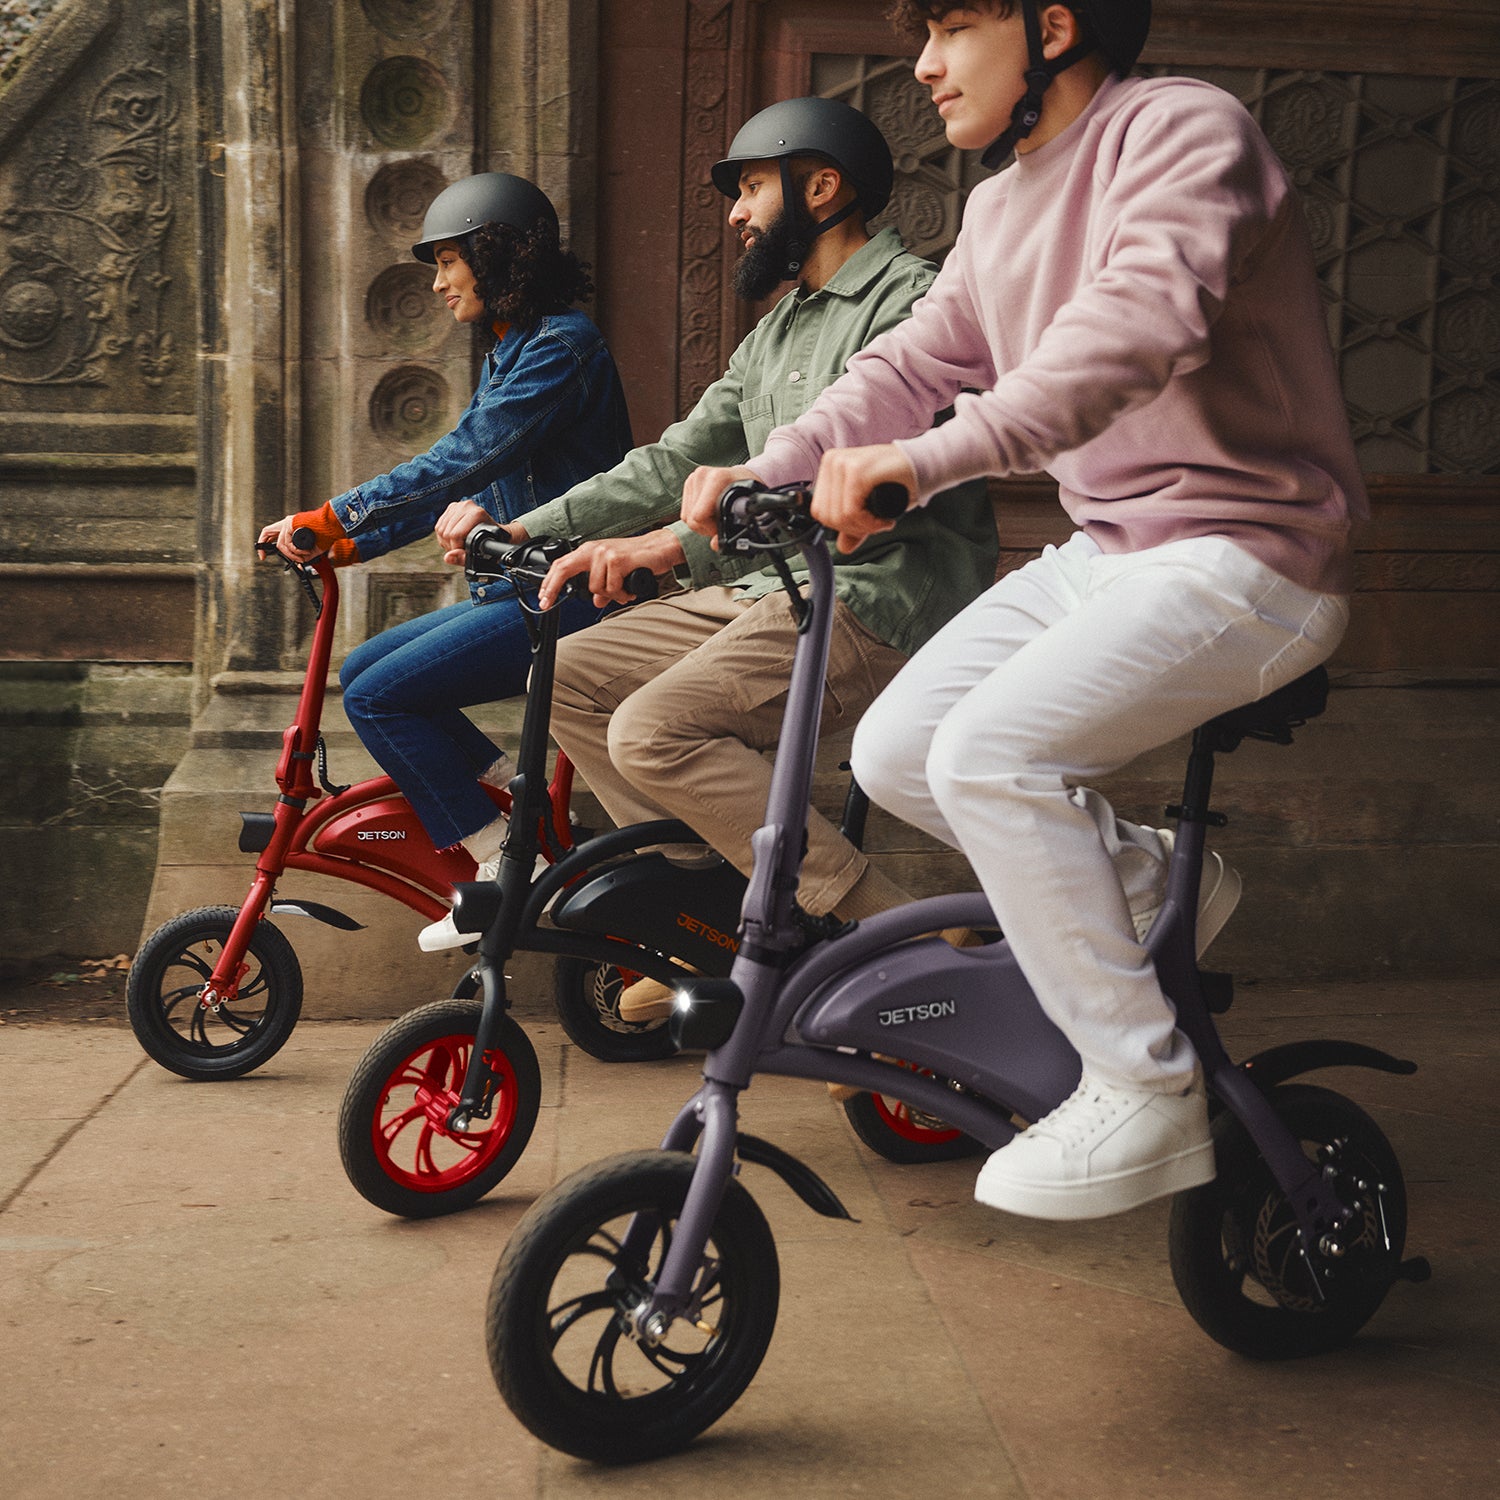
(766,262)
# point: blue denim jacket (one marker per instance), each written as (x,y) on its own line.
(549,412)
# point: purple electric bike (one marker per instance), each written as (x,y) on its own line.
(636,1299)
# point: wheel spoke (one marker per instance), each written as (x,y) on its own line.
(673,1363)
(390,1129)
(240,1025)
(602,1365)
(562,1317)
(425,1162)
(173,998)
(201,966)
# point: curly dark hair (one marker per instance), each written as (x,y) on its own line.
(910,17)
(522,275)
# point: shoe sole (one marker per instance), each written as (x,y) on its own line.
(1216,906)
(1116,1194)
(447,940)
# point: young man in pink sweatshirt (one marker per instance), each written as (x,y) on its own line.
(1132,307)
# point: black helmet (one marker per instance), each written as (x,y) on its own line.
(813,127)
(1117,28)
(489,198)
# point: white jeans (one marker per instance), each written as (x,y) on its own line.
(1065,670)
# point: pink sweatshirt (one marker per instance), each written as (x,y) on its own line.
(1133,308)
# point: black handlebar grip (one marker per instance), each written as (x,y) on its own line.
(888,501)
(641,583)
(303,539)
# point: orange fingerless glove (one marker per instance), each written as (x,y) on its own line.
(328,535)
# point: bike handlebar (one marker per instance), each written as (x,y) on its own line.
(750,511)
(888,501)
(489,553)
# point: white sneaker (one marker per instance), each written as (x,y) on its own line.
(1103,1150)
(443,934)
(1218,895)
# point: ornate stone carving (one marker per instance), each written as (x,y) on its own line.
(1397,181)
(401,309)
(396,598)
(397,197)
(406,19)
(83,279)
(932,179)
(409,406)
(405,101)
(702,238)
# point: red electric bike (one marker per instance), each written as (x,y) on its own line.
(215,992)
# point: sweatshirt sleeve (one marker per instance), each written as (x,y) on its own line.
(1194,196)
(892,388)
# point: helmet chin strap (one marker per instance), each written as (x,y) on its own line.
(797,253)
(1040,72)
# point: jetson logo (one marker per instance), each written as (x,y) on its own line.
(933,1011)
(374,835)
(709,934)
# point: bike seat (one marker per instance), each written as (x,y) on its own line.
(1275,716)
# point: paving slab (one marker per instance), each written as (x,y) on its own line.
(195,1302)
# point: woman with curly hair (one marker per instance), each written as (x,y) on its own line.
(548,413)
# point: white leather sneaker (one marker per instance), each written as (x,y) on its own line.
(441,934)
(1103,1150)
(1218,894)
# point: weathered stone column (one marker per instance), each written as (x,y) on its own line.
(329,125)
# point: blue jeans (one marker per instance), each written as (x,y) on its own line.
(404,692)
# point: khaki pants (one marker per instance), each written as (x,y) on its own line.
(666,707)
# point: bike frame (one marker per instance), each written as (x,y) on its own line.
(789,992)
(319,828)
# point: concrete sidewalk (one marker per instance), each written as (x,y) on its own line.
(194,1301)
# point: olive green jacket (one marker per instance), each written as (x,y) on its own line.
(901,585)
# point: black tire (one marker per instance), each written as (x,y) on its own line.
(168,976)
(1234,1241)
(588,1005)
(893,1129)
(396,1147)
(561,1292)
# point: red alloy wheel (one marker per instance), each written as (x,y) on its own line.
(909,1124)
(409,1131)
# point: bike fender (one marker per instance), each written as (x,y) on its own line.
(797,1175)
(1291,1059)
(316,909)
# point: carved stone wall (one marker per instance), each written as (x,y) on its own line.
(98,278)
(209,316)
(98,456)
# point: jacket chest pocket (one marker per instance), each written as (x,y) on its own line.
(758,417)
